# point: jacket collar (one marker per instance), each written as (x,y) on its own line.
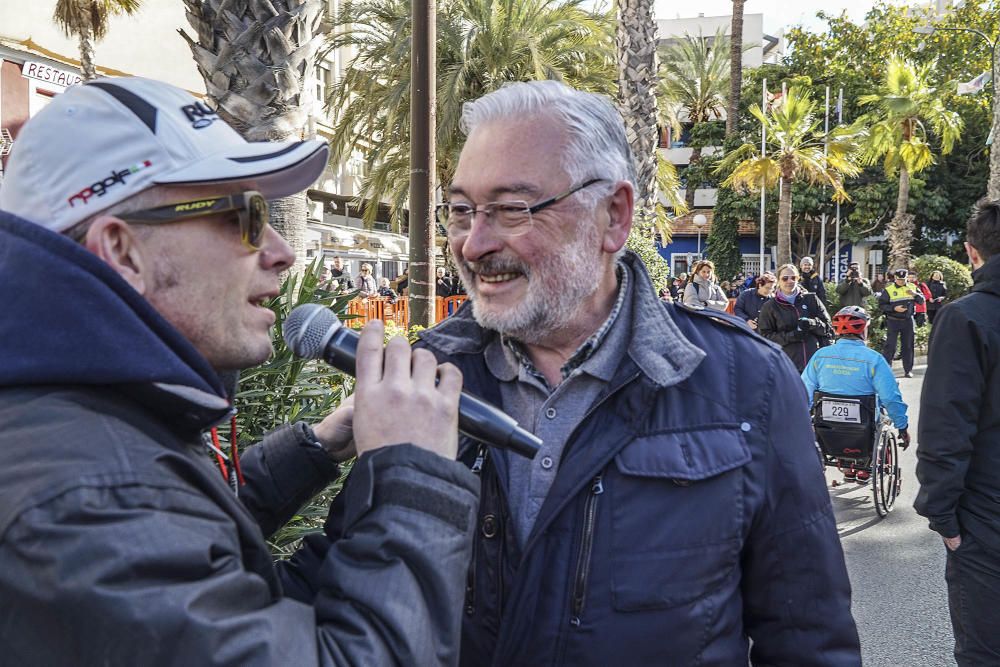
(657,346)
(987,277)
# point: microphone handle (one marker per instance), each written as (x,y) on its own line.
(476,418)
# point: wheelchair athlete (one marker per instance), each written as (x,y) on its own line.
(850,368)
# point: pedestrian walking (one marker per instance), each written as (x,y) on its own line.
(810,279)
(897,302)
(958,448)
(939,292)
(795,319)
(919,309)
(749,302)
(703,291)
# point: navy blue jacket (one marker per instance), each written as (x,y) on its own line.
(684,519)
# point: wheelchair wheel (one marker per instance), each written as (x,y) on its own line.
(885,471)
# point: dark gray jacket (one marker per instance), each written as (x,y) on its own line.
(958,455)
(122,544)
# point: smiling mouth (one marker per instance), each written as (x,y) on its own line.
(498,277)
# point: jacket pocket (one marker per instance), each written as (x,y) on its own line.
(677,516)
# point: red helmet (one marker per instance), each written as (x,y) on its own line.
(851,320)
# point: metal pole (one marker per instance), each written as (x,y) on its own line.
(699,243)
(422,162)
(836,249)
(763,186)
(822,222)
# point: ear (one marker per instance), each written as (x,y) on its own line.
(115,242)
(620,207)
(974,255)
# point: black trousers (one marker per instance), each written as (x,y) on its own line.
(902,329)
(973,576)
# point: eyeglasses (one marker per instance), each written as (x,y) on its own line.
(250,205)
(786,279)
(510,218)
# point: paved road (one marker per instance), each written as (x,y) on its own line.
(896,567)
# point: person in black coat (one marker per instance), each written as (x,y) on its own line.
(749,302)
(795,319)
(958,450)
(939,292)
(810,280)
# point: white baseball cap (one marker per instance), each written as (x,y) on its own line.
(104,141)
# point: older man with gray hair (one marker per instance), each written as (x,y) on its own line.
(668,519)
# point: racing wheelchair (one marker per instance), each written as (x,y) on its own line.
(851,433)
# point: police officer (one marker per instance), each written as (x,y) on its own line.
(897,303)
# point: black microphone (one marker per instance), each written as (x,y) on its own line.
(314,332)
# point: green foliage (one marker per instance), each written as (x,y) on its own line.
(694,78)
(853,56)
(286,389)
(957,276)
(481,45)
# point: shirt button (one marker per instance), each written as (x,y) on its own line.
(745,427)
(551,413)
(546,462)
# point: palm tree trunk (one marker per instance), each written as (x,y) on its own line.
(635,41)
(785,223)
(288,218)
(993,187)
(691,187)
(87,54)
(735,68)
(900,228)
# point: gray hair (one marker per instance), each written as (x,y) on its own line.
(596,146)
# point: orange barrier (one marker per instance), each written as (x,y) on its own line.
(364,309)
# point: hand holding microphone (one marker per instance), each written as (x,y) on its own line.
(406,396)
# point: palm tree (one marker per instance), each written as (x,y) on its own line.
(899,139)
(735,67)
(694,79)
(88,20)
(256,58)
(635,42)
(481,44)
(795,153)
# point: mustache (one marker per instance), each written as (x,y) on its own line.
(493,265)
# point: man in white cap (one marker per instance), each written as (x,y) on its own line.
(136,259)
(811,280)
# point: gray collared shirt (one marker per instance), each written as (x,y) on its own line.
(553,414)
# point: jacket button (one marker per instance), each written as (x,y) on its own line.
(551,413)
(489,526)
(546,462)
(745,427)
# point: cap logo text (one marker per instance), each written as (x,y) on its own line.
(199,115)
(99,188)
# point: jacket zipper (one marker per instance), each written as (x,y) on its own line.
(586,549)
(470,581)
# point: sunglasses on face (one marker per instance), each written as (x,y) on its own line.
(250,206)
(786,279)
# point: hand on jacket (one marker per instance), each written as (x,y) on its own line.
(904,438)
(403,396)
(952,543)
(810,324)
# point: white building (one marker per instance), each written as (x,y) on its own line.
(38,61)
(760,48)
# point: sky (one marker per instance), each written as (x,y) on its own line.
(777,13)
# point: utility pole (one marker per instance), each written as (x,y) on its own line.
(423,102)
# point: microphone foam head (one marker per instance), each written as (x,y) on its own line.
(307,328)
